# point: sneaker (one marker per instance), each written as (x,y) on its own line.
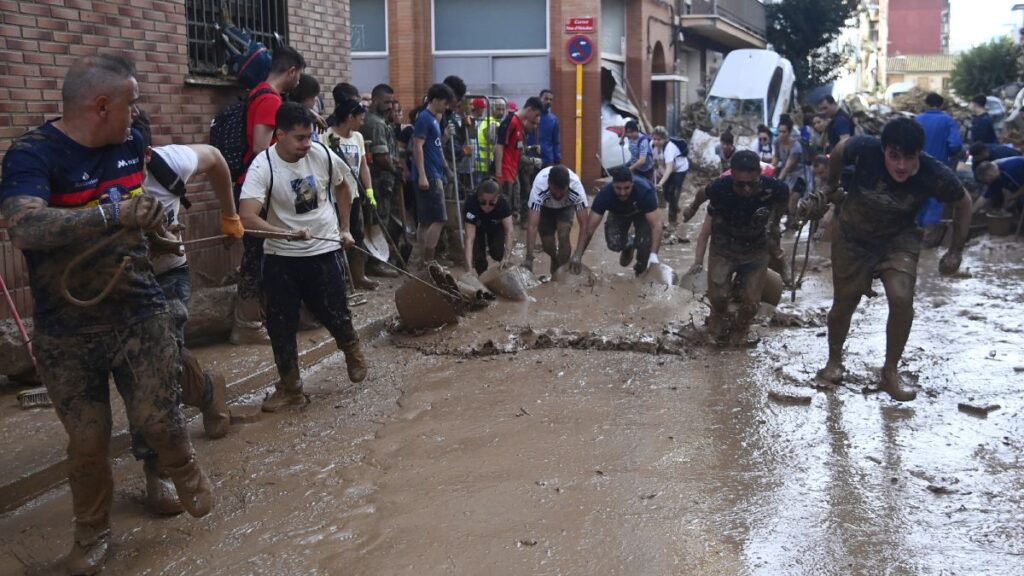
(242,335)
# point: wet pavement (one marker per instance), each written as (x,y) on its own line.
(585,432)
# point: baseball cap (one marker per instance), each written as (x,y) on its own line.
(479,103)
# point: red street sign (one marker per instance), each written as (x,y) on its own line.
(580,25)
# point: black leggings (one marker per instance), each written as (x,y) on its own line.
(319,282)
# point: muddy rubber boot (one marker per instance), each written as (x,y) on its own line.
(354,360)
(161,498)
(287,394)
(194,489)
(377,268)
(357,262)
(216,417)
(87,558)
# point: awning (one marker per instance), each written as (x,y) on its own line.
(669,78)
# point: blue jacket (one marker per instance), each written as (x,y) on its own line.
(550,140)
(941,135)
(982,129)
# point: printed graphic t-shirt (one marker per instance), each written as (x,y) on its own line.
(301,198)
(351,150)
(47,164)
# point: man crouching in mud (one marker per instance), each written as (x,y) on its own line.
(745,211)
(878,236)
(68,186)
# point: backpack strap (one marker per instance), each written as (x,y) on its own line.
(168,177)
(266,203)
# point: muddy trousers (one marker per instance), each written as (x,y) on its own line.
(196,385)
(144,362)
(490,240)
(616,235)
(726,269)
(249,309)
(319,282)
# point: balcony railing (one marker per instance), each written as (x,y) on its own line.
(747,14)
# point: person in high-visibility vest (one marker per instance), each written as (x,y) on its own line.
(488,133)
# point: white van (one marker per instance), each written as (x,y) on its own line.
(752,87)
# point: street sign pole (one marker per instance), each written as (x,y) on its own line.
(579,50)
(579,119)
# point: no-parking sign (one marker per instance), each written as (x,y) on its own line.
(579,49)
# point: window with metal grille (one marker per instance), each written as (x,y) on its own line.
(261,19)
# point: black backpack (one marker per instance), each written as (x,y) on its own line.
(684,148)
(227,133)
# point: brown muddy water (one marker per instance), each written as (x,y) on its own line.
(585,433)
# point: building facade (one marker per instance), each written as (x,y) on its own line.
(918,27)
(659,54)
(173,43)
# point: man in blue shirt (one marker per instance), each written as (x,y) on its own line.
(631,202)
(840,126)
(429,170)
(1006,174)
(982,129)
(981,153)
(548,135)
(941,141)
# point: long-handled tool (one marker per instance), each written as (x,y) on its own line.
(792,262)
(458,201)
(17,320)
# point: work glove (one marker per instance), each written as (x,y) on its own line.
(652,260)
(231,226)
(576,263)
(371,198)
(528,262)
(950,262)
(143,212)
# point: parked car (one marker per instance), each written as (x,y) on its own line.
(752,87)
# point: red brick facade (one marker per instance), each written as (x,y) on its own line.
(40,38)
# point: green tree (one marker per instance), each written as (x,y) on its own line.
(983,68)
(804,32)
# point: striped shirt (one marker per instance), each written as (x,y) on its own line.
(540,195)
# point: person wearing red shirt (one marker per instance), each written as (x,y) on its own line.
(264,100)
(509,148)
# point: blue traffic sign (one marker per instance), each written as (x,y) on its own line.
(579,49)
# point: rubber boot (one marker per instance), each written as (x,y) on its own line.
(216,417)
(88,557)
(287,394)
(357,260)
(194,489)
(377,268)
(161,498)
(354,360)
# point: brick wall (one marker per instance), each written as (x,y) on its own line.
(40,38)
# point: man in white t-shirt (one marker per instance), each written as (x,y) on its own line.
(556,196)
(302,185)
(168,171)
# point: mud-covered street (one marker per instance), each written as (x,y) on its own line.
(587,432)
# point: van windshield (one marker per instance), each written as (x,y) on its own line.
(742,116)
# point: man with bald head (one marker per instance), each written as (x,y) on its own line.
(68,186)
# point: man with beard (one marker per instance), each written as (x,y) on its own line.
(745,211)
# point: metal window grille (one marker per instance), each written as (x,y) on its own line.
(260,18)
